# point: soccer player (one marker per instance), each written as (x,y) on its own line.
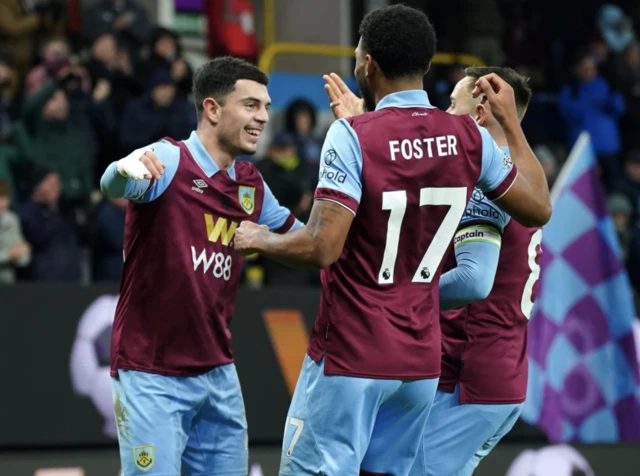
(484,341)
(178,403)
(394,184)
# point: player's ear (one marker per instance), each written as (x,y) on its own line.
(369,66)
(211,110)
(481,113)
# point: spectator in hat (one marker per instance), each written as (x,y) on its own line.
(166,53)
(14,250)
(590,104)
(57,143)
(157,114)
(287,176)
(55,242)
(300,122)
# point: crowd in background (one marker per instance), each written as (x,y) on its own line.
(73,100)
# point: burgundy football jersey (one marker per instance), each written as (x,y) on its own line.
(416,167)
(484,344)
(181,274)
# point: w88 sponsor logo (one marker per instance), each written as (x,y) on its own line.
(219,263)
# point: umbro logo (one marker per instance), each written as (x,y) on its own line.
(200,184)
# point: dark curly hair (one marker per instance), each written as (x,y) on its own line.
(400,39)
(218,77)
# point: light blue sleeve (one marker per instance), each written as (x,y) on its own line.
(115,185)
(481,210)
(341,163)
(472,279)
(273,214)
(496,163)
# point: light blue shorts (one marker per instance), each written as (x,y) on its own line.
(181,425)
(457,437)
(341,425)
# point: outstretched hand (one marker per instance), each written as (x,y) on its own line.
(500,96)
(342,101)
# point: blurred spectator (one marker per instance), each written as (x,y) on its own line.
(620,210)
(125,19)
(604,60)
(441,89)
(14,250)
(55,57)
(9,85)
(108,240)
(113,65)
(483,26)
(17,33)
(56,253)
(629,183)
(629,81)
(288,179)
(589,104)
(300,123)
(615,27)
(166,53)
(57,144)
(548,161)
(8,152)
(287,176)
(156,115)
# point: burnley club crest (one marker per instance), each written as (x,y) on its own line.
(247,196)
(144,457)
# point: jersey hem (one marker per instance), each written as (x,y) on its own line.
(328,370)
(167,373)
(450,386)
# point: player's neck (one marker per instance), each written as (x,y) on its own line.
(389,87)
(497,134)
(210,142)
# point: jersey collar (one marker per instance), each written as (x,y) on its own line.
(203,158)
(409,98)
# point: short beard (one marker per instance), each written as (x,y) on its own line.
(367,95)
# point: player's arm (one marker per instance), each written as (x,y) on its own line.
(320,242)
(477,261)
(274,216)
(525,195)
(143,175)
(477,248)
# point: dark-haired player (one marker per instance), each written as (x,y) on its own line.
(178,402)
(484,341)
(394,184)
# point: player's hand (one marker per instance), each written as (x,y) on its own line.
(342,101)
(249,236)
(141,164)
(500,96)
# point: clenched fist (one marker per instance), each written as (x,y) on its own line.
(249,237)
